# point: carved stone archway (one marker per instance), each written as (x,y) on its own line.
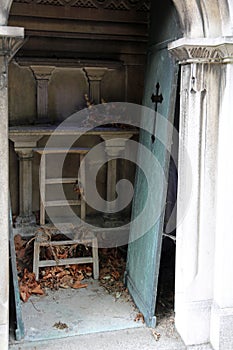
(212,219)
(4,11)
(205,18)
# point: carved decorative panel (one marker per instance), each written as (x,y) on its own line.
(122,5)
(49,2)
(202,50)
(82,3)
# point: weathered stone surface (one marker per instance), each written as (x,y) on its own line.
(4,11)
(9,41)
(204,240)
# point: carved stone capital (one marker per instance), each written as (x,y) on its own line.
(24,153)
(94,76)
(114,146)
(27,142)
(95,73)
(203,50)
(11,39)
(42,72)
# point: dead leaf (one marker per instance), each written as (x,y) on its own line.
(47,276)
(19,242)
(60,325)
(37,290)
(139,317)
(79,277)
(115,275)
(78,285)
(156,335)
(67,280)
(62,273)
(62,255)
(21,253)
(24,293)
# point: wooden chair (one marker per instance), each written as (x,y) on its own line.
(40,241)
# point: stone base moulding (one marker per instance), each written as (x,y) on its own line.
(221,332)
(200,347)
(198,325)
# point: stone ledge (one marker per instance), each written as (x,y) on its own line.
(200,347)
(203,50)
(7,31)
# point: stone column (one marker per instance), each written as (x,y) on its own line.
(222,308)
(42,75)
(10,40)
(94,77)
(24,148)
(114,148)
(202,78)
(25,196)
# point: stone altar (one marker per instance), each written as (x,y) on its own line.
(25,139)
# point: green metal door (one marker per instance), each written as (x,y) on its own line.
(144,251)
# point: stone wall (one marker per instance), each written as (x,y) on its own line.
(66,90)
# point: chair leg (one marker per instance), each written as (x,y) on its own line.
(95,258)
(36,258)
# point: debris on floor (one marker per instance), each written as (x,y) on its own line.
(156,335)
(165,316)
(60,325)
(139,317)
(112,268)
(24,255)
(69,276)
(28,286)
(112,263)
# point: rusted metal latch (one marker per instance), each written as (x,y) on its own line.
(156,98)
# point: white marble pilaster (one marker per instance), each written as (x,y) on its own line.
(94,76)
(10,41)
(42,75)
(222,308)
(202,79)
(4,185)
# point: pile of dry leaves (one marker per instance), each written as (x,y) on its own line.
(112,267)
(24,255)
(55,277)
(28,286)
(69,276)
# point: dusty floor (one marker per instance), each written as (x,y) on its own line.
(128,339)
(68,312)
(101,318)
